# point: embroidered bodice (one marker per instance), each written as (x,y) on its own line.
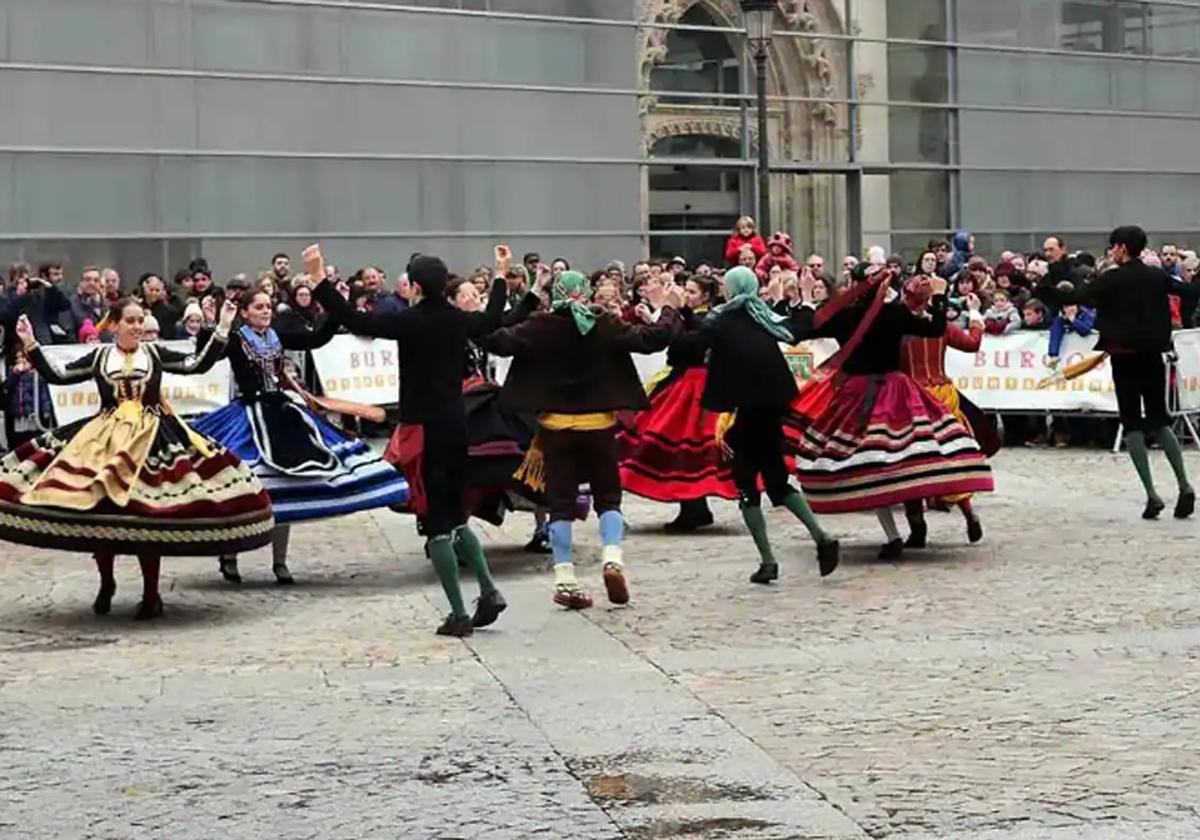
(123,377)
(257,358)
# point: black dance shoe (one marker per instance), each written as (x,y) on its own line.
(457,626)
(1153,508)
(918,536)
(229,569)
(827,556)
(147,610)
(974,530)
(1186,505)
(892,550)
(283,575)
(488,608)
(687,523)
(766,573)
(103,603)
(539,543)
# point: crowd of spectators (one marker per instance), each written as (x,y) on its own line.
(1008,292)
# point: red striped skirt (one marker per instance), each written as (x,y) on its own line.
(875,441)
(671,452)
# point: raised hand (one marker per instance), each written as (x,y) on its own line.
(502,256)
(656,293)
(229,311)
(314,262)
(25,330)
(807,283)
(974,304)
(674,295)
(938,284)
(775,288)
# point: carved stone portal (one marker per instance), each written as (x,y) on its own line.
(803,67)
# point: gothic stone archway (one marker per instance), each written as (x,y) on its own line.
(808,207)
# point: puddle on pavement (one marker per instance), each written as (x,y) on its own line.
(29,641)
(638,789)
(711,829)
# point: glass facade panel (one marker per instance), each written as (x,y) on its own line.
(697,62)
(126,166)
(1128,26)
(229,36)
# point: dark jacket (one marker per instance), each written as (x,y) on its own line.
(683,353)
(557,369)
(82,309)
(879,351)
(432,340)
(745,366)
(43,304)
(1133,313)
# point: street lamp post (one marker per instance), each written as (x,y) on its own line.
(759,17)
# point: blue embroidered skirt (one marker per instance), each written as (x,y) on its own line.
(309,468)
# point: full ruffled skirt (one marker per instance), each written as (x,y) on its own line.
(671,453)
(866,442)
(310,469)
(497,444)
(131,481)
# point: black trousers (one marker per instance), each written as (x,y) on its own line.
(443,469)
(1141,383)
(757,442)
(574,458)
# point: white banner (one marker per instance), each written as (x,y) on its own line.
(359,369)
(1187,345)
(188,395)
(1004,374)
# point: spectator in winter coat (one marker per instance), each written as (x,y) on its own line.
(745,235)
(779,252)
(964,249)
(1002,317)
(1072,318)
(27,404)
(1033,316)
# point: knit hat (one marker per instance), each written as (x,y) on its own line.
(781,240)
(192,310)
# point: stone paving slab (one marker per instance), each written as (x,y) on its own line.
(1040,686)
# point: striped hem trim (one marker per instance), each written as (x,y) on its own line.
(131,533)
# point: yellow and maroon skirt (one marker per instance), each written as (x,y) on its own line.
(131,481)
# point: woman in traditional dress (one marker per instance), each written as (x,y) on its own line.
(133,479)
(873,438)
(671,452)
(749,380)
(311,469)
(924,359)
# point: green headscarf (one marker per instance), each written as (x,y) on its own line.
(571,291)
(741,292)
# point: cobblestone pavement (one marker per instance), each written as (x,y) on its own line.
(1042,685)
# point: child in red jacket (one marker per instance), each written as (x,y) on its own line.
(779,252)
(744,236)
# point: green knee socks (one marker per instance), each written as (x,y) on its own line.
(756,523)
(1136,441)
(798,505)
(441,554)
(1174,452)
(468,547)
